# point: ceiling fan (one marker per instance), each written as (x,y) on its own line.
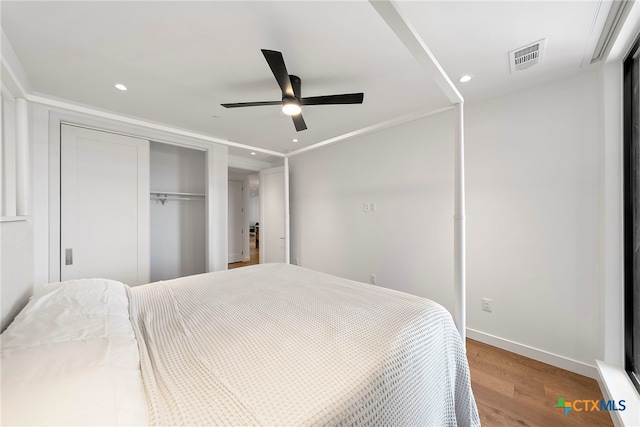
(292,99)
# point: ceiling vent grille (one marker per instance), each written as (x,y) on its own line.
(527,56)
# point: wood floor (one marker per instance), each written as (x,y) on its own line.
(513,390)
(254,255)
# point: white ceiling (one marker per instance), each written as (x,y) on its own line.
(181,60)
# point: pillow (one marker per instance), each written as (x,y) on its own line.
(71,310)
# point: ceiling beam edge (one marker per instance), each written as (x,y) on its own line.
(400,25)
(369,129)
(14,78)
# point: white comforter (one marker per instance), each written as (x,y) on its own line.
(265,345)
(281,345)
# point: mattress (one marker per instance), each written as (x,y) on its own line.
(271,344)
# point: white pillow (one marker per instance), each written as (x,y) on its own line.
(71,310)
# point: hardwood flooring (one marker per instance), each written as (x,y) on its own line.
(512,390)
(254,255)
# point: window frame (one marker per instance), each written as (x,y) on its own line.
(631,151)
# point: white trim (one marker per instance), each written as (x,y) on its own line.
(369,129)
(143,123)
(399,24)
(23,171)
(459,239)
(610,214)
(287,219)
(217,210)
(55,156)
(616,385)
(13,75)
(9,166)
(247,164)
(534,353)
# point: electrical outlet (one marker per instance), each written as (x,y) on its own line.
(372,279)
(373,206)
(487,304)
(366,207)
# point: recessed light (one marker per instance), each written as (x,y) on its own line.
(295,140)
(120,86)
(253,153)
(465,78)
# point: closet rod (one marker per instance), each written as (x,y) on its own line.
(177,198)
(165,197)
(169,193)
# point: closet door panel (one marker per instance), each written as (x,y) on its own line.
(104,206)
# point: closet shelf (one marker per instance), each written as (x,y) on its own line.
(165,196)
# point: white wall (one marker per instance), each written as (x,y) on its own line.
(532,202)
(16,268)
(177,227)
(16,228)
(532,209)
(254,209)
(407,171)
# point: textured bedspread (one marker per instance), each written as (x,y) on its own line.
(282,345)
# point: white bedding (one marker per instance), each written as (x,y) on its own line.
(277,344)
(266,345)
(70,358)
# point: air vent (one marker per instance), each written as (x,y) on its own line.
(527,56)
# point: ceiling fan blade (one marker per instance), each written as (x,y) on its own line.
(298,121)
(279,70)
(345,98)
(251,104)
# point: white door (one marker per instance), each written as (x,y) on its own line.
(272,233)
(236,221)
(104,217)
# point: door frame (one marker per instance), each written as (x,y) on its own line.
(215,192)
(242,220)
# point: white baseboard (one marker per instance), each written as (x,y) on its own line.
(533,353)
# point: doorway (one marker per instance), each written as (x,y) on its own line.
(243,218)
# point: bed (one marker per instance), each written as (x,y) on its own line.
(270,344)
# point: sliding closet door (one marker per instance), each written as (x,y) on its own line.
(104,206)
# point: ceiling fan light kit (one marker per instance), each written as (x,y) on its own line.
(291,106)
(291,86)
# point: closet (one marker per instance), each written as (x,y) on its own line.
(177,211)
(127,208)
